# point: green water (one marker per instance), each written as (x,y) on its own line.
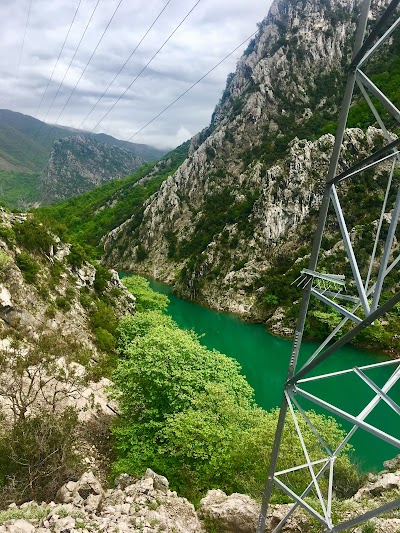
(264,360)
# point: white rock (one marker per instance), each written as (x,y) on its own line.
(21,526)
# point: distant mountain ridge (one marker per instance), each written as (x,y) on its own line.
(26,145)
(79,163)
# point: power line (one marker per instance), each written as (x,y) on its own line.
(189,89)
(73,57)
(58,59)
(123,66)
(145,67)
(20,55)
(87,64)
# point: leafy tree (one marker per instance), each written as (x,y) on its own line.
(33,236)
(28,266)
(188,413)
(146,299)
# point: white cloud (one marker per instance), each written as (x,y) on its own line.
(210,33)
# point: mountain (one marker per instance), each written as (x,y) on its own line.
(231,228)
(78,164)
(26,145)
(91,216)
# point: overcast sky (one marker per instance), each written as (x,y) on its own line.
(211,31)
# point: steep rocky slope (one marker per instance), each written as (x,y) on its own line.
(78,164)
(232,227)
(148,505)
(25,147)
(53,304)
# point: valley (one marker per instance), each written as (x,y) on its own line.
(149,299)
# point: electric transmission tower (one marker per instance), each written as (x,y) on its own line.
(365,300)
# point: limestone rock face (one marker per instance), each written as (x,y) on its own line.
(253,177)
(385,482)
(236,513)
(56,305)
(79,163)
(139,507)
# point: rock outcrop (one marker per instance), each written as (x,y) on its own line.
(79,163)
(141,506)
(147,505)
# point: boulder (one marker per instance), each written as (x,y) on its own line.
(236,513)
(159,482)
(385,482)
(392,464)
(88,484)
(20,526)
(87,491)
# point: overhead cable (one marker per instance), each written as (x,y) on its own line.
(73,57)
(20,55)
(124,65)
(144,68)
(87,64)
(58,59)
(189,89)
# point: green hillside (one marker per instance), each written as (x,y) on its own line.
(87,218)
(25,147)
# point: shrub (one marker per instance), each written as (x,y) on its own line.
(38,455)
(102,277)
(28,266)
(63,303)
(33,236)
(105,340)
(4,260)
(76,256)
(141,253)
(7,234)
(104,317)
(146,299)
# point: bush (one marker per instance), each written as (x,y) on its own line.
(146,299)
(105,340)
(4,260)
(27,266)
(76,256)
(33,236)
(7,234)
(188,413)
(38,455)
(102,277)
(63,303)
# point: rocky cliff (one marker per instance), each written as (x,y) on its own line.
(53,312)
(232,227)
(78,164)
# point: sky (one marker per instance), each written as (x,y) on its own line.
(211,31)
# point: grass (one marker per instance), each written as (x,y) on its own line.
(33,512)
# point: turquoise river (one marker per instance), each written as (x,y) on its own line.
(264,361)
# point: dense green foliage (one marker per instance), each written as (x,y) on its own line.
(146,300)
(188,413)
(18,188)
(87,218)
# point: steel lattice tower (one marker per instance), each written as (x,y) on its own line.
(359,307)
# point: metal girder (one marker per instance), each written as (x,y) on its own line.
(365,295)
